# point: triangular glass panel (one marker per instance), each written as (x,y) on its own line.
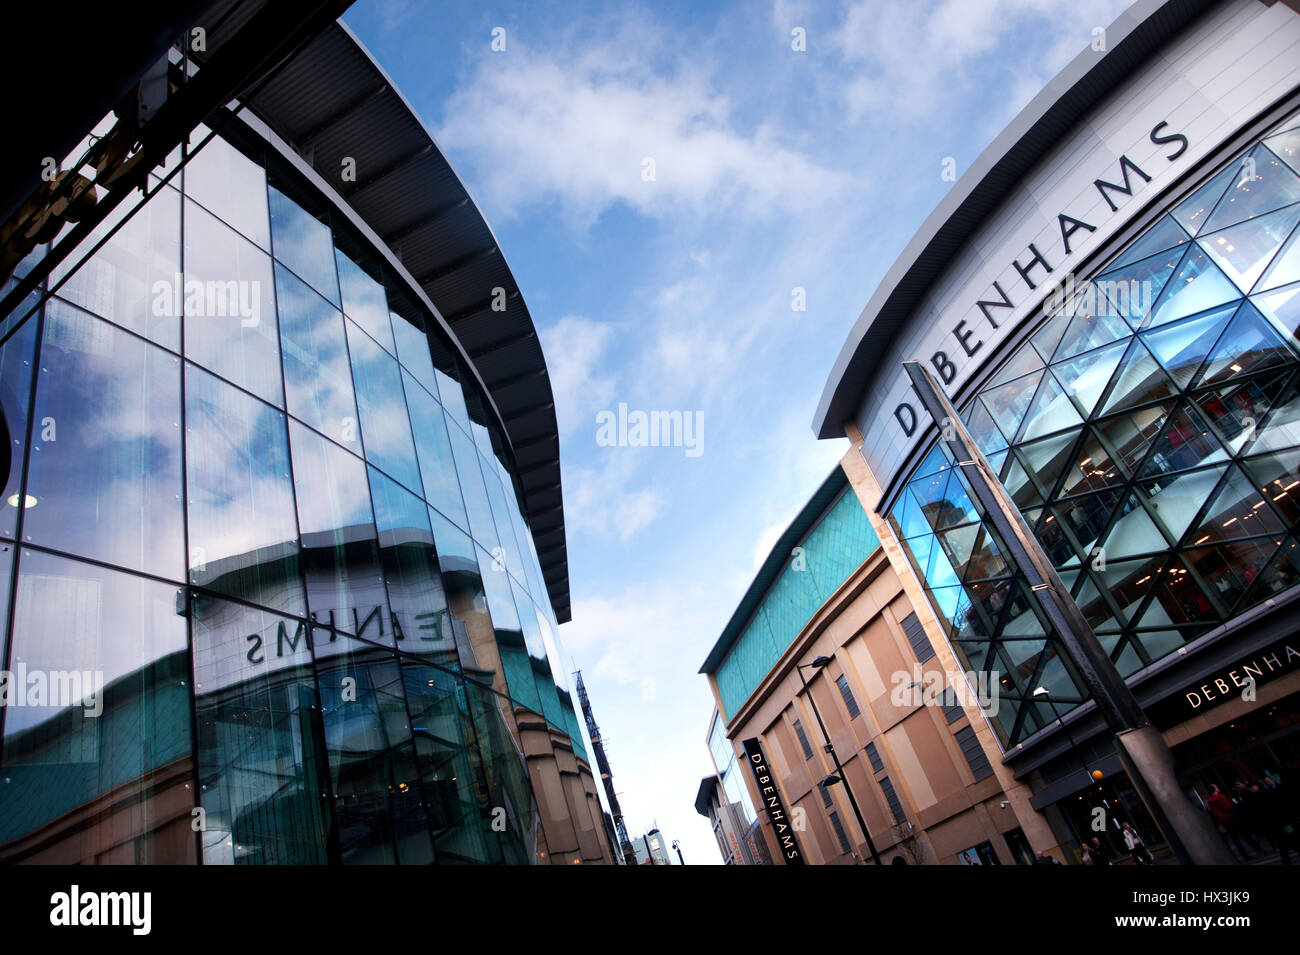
(1086,517)
(1286,146)
(1095,323)
(919,548)
(1140,379)
(1132,435)
(1052,411)
(1285,268)
(1278,478)
(955,508)
(1280,428)
(1133,289)
(1177,500)
(1282,308)
(958,544)
(1197,286)
(950,601)
(1182,346)
(1165,234)
(1018,485)
(1237,510)
(1091,468)
(1048,337)
(1129,582)
(941,572)
(1095,608)
(986,559)
(981,427)
(936,460)
(1133,534)
(1192,212)
(1046,460)
(1160,643)
(1085,377)
(1058,546)
(1022,363)
(1186,443)
(1236,408)
(1229,569)
(1245,250)
(1008,403)
(911,521)
(1282,573)
(1262,183)
(1249,345)
(996,460)
(1176,600)
(1127,661)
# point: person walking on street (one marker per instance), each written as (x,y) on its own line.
(1136,847)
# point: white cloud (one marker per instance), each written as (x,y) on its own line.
(913,58)
(576,348)
(574,123)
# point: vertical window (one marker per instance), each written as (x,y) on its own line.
(895,806)
(264,782)
(243,533)
(131,280)
(317,379)
(17,356)
(974,753)
(839,832)
(340,552)
(917,638)
(105,477)
(410,565)
(847,694)
(112,740)
(825,794)
(803,740)
(228,303)
(433,449)
(877,765)
(365,303)
(471,484)
(413,352)
(229,184)
(304,244)
(385,422)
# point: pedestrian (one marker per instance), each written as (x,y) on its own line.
(1100,852)
(1086,855)
(1045,859)
(1136,847)
(1225,814)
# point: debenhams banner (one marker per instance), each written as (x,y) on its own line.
(1147,135)
(770,796)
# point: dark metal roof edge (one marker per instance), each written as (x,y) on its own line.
(707,786)
(776,560)
(1068,96)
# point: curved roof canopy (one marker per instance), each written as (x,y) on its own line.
(1138,33)
(333,100)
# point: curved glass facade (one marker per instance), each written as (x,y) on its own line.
(1149,432)
(257,501)
(831,551)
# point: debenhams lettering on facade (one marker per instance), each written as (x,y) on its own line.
(1034,265)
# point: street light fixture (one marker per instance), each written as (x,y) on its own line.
(838,776)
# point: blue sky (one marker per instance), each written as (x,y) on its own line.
(774,170)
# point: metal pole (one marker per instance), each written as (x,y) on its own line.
(1141,748)
(839,770)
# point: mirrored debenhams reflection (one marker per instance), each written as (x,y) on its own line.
(284,540)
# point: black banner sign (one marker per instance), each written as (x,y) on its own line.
(1236,681)
(770,796)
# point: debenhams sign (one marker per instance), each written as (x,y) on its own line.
(770,796)
(1031,269)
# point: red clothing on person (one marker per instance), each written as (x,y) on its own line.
(1221,808)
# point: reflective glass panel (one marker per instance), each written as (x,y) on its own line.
(304,244)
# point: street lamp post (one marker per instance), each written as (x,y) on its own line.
(817,664)
(1141,748)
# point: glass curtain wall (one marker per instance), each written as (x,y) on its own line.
(1149,432)
(256,504)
